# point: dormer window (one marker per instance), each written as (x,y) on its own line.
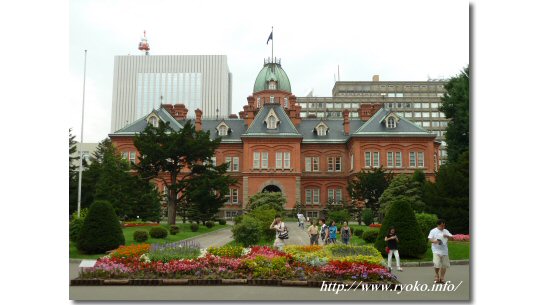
(271,99)
(391,123)
(271,120)
(153,120)
(321,129)
(223,129)
(272,85)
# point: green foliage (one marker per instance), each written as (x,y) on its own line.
(357,231)
(275,200)
(298,208)
(448,197)
(174,230)
(209,224)
(339,216)
(101,230)
(426,222)
(164,150)
(369,185)
(75,225)
(226,251)
(367,216)
(456,108)
(248,231)
(238,219)
(411,239)
(222,222)
(194,227)
(404,187)
(167,254)
(158,232)
(140,236)
(265,215)
(370,235)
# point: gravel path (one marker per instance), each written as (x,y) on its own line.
(297,235)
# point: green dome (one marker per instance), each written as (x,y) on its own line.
(272,71)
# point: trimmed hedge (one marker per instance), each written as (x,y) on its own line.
(411,239)
(101,231)
(370,236)
(426,222)
(368,216)
(194,227)
(209,224)
(140,236)
(158,232)
(222,222)
(173,230)
(248,232)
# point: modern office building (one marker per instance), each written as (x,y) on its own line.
(417,101)
(144,82)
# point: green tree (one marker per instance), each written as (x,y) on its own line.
(73,178)
(101,230)
(448,197)
(411,239)
(368,186)
(456,108)
(175,158)
(403,187)
(273,199)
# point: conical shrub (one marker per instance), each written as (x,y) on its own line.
(411,239)
(101,230)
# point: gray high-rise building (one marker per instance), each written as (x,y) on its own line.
(142,83)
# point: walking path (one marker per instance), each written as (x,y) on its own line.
(215,238)
(297,235)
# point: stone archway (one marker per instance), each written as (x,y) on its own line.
(272,188)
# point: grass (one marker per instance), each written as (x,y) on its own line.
(260,243)
(184,233)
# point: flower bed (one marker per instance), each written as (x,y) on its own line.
(461,237)
(139,224)
(375,225)
(303,263)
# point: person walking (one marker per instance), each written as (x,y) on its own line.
(313,233)
(332,232)
(281,232)
(301,221)
(346,233)
(392,243)
(439,237)
(324,232)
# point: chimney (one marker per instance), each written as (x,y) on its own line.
(295,110)
(375,78)
(198,121)
(232,116)
(242,114)
(345,114)
(367,110)
(180,111)
(248,114)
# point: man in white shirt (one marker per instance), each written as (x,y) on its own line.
(439,237)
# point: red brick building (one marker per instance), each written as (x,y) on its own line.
(270,147)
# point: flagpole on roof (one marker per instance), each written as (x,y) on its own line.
(79,199)
(272,40)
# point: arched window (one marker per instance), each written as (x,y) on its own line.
(223,130)
(271,122)
(391,123)
(285,102)
(154,121)
(258,102)
(272,85)
(322,130)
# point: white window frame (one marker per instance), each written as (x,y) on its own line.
(229,163)
(154,121)
(338,164)
(235,164)
(390,159)
(258,102)
(234,196)
(307,164)
(376,160)
(278,159)
(271,122)
(420,159)
(398,159)
(256,160)
(367,159)
(315,196)
(330,164)
(315,164)
(287,160)
(330,195)
(412,159)
(285,102)
(391,122)
(265,160)
(308,196)
(351,162)
(132,157)
(338,195)
(214,161)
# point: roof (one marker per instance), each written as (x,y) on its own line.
(237,127)
(376,127)
(284,129)
(272,71)
(335,134)
(140,124)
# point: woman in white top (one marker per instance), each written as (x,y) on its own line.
(279,227)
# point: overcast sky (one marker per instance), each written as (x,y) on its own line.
(399,40)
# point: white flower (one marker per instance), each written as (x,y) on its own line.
(203,252)
(145,258)
(246,251)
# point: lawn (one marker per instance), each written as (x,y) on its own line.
(184,233)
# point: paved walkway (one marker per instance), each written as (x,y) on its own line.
(297,235)
(215,238)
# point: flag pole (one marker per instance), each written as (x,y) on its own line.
(81,140)
(272,40)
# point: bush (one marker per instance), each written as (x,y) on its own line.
(169,252)
(173,230)
(158,232)
(370,236)
(226,251)
(222,222)
(265,216)
(140,236)
(76,224)
(237,219)
(101,230)
(368,216)
(194,227)
(339,216)
(275,200)
(357,231)
(248,232)
(411,239)
(426,222)
(209,224)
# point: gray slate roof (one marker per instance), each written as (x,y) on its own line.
(334,134)
(376,127)
(284,129)
(140,124)
(237,127)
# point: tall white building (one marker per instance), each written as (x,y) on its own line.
(143,83)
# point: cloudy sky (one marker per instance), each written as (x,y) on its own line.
(399,40)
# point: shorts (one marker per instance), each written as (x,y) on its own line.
(441,261)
